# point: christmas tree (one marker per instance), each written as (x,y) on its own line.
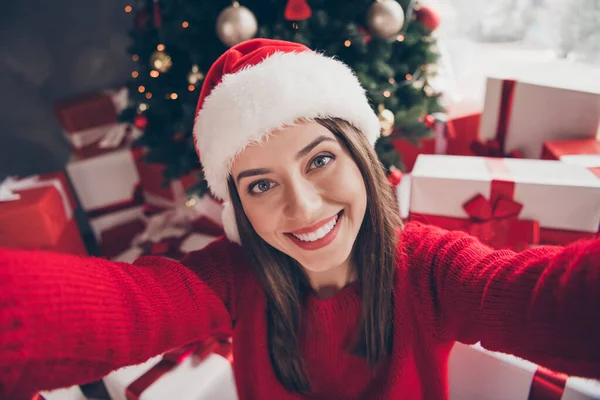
(388,44)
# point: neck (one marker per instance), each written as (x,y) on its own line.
(327,283)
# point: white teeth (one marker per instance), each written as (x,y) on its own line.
(319,233)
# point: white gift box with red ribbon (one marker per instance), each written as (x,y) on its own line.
(70,393)
(203,373)
(186,223)
(540,102)
(106,183)
(90,122)
(476,373)
(506,202)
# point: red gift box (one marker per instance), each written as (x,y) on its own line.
(90,122)
(152,178)
(583,152)
(454,137)
(37,213)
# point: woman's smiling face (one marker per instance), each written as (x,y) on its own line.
(303,194)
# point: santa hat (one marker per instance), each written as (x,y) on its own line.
(261,85)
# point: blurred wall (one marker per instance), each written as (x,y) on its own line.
(50,50)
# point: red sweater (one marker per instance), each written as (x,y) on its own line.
(66,320)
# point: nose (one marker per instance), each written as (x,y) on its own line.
(303,201)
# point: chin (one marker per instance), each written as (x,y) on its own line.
(325,261)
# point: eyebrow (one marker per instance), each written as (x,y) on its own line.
(307,149)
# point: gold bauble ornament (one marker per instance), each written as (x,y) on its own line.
(195,75)
(385,19)
(161,61)
(236,24)
(386,120)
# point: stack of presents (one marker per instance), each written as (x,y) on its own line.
(522,170)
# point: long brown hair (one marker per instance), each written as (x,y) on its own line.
(285,282)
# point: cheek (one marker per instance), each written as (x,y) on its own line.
(351,184)
(262,219)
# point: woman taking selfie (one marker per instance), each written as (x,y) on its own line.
(326,294)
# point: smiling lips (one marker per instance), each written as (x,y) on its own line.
(317,235)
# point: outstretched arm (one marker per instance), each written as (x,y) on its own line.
(65,320)
(542,304)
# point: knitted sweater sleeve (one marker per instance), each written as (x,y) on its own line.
(542,304)
(66,320)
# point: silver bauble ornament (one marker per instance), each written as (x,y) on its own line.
(386,120)
(236,24)
(385,19)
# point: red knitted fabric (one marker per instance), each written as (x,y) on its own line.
(66,320)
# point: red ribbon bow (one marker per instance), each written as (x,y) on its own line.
(218,344)
(498,225)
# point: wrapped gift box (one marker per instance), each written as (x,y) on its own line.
(127,234)
(584,152)
(197,372)
(115,230)
(37,213)
(551,102)
(508,203)
(90,122)
(71,393)
(152,179)
(454,136)
(106,183)
(476,373)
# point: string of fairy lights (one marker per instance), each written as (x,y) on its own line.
(161,62)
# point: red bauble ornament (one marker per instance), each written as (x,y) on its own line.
(394,177)
(428,17)
(429,121)
(140,121)
(367,35)
(297,10)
